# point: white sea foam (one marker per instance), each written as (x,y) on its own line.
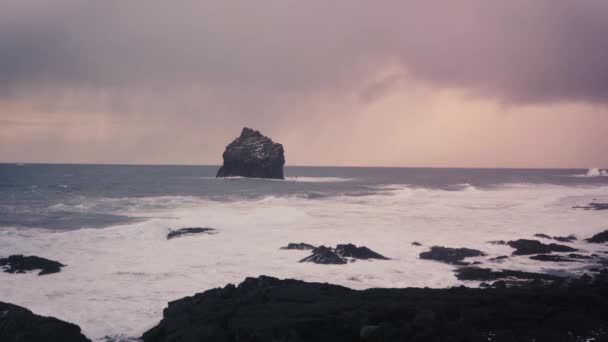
(594,172)
(119,279)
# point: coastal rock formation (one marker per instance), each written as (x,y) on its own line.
(22,264)
(342,254)
(253,155)
(299,246)
(593,206)
(269,309)
(452,256)
(599,237)
(569,238)
(485,274)
(526,247)
(19,324)
(189,231)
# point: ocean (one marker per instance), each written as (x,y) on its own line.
(108,224)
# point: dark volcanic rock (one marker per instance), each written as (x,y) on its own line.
(485,274)
(22,264)
(299,246)
(415,243)
(19,324)
(352,251)
(499,258)
(269,309)
(253,155)
(497,242)
(450,255)
(593,206)
(526,247)
(599,237)
(324,255)
(568,238)
(551,257)
(544,236)
(189,231)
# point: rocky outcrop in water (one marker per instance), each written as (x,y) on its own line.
(269,309)
(299,246)
(189,231)
(253,155)
(454,256)
(593,206)
(22,264)
(526,247)
(599,237)
(19,324)
(342,254)
(569,238)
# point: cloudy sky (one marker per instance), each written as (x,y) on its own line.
(475,83)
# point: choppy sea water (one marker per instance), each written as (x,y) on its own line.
(109,225)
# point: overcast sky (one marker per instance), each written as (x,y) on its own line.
(475,83)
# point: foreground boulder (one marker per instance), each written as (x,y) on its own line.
(253,155)
(599,237)
(527,247)
(22,264)
(19,324)
(452,256)
(189,231)
(269,309)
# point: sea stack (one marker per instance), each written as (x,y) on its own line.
(253,155)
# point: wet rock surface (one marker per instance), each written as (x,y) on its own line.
(569,238)
(18,324)
(253,155)
(269,309)
(599,237)
(23,264)
(593,206)
(342,254)
(417,244)
(526,247)
(454,256)
(299,246)
(189,231)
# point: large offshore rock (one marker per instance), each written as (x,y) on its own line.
(19,324)
(23,264)
(253,155)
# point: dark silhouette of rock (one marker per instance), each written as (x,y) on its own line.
(552,258)
(253,155)
(452,256)
(599,237)
(499,258)
(415,243)
(568,238)
(497,242)
(22,264)
(299,246)
(189,231)
(324,255)
(485,274)
(544,236)
(352,251)
(18,324)
(526,247)
(269,309)
(593,206)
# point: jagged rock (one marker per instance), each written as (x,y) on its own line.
(552,258)
(526,247)
(22,264)
(450,255)
(417,244)
(599,237)
(18,324)
(324,255)
(593,206)
(485,274)
(253,155)
(299,246)
(269,309)
(189,231)
(352,251)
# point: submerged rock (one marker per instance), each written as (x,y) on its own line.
(526,247)
(18,324)
(253,155)
(568,238)
(299,246)
(324,255)
(269,309)
(593,206)
(416,243)
(189,231)
(552,258)
(452,256)
(599,237)
(497,242)
(22,264)
(544,236)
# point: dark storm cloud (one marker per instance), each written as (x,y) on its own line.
(517,51)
